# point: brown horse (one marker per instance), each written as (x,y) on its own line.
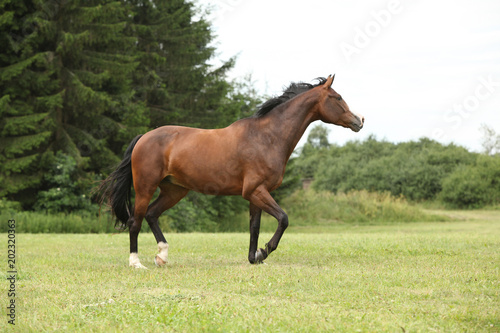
(247,158)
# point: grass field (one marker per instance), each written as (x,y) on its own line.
(416,277)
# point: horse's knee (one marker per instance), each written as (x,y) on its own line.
(134,226)
(254,229)
(151,218)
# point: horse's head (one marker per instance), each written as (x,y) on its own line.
(334,110)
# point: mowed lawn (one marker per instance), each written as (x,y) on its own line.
(418,277)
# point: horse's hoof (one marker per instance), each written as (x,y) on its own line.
(159,261)
(161,257)
(259,256)
(138,265)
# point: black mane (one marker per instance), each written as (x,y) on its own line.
(293,90)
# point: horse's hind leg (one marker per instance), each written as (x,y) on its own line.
(144,190)
(170,194)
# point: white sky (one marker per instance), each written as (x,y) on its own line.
(412,68)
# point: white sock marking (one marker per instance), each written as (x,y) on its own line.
(163,251)
(134,261)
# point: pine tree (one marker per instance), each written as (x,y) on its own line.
(175,77)
(28,95)
(65,79)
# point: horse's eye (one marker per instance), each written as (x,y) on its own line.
(339,98)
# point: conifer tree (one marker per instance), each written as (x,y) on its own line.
(175,77)
(65,78)
(28,95)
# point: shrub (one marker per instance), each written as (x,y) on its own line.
(473,186)
(412,169)
(64,193)
(9,206)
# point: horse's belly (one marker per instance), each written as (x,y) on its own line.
(218,185)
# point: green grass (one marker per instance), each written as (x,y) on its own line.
(418,277)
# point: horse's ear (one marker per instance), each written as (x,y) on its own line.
(329,81)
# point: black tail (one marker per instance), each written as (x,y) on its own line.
(117,188)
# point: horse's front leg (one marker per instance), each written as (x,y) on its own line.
(254,255)
(262,199)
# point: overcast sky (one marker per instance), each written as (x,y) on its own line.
(412,68)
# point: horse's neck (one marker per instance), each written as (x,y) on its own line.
(292,121)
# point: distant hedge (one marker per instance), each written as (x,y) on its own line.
(423,170)
(35,222)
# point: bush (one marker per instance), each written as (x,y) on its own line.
(473,186)
(412,169)
(65,191)
(7,206)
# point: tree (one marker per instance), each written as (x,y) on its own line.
(28,95)
(318,137)
(65,82)
(313,150)
(490,140)
(175,78)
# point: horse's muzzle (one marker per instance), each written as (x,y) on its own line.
(358,123)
